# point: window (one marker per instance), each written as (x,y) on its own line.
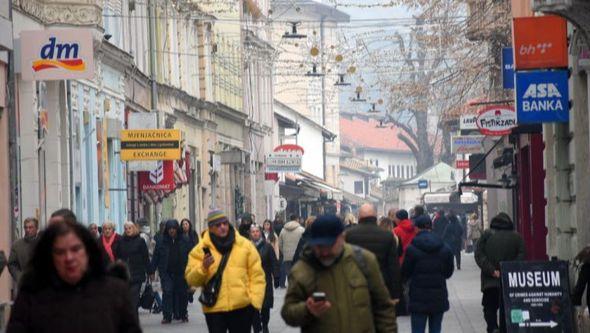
(358,187)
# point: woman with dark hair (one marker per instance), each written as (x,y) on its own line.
(66,288)
(134,253)
(188,232)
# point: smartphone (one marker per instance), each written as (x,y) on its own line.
(319,296)
(207,251)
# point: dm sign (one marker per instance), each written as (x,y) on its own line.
(542,96)
(496,120)
(57,54)
(536,296)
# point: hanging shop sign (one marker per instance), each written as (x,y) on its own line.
(477,167)
(540,42)
(536,296)
(462,164)
(422,184)
(284,162)
(468,122)
(467,144)
(153,144)
(57,54)
(159,179)
(507,68)
(496,120)
(542,96)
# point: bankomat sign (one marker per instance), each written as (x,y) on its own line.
(542,96)
(57,54)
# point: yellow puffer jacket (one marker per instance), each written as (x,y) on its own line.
(243,281)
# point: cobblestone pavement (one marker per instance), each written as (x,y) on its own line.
(465,315)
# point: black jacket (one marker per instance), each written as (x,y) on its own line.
(133,252)
(301,245)
(95,305)
(428,264)
(384,246)
(161,257)
(582,284)
(439,225)
(268,258)
(453,234)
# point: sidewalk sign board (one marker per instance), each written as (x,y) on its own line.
(536,296)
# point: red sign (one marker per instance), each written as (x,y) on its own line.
(288,148)
(540,42)
(160,179)
(462,164)
(496,120)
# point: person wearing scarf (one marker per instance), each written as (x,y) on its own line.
(242,289)
(108,241)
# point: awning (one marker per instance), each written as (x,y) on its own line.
(312,185)
(331,192)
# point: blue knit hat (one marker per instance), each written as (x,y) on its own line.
(216,216)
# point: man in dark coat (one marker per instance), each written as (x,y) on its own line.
(440,223)
(499,243)
(453,237)
(428,264)
(268,258)
(382,244)
(170,259)
(22,250)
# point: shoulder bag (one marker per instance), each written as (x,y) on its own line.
(210,291)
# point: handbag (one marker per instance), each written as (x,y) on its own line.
(146,301)
(210,291)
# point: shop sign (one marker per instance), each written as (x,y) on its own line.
(542,96)
(507,68)
(496,120)
(536,296)
(467,144)
(58,54)
(284,162)
(152,144)
(462,164)
(540,42)
(468,122)
(422,183)
(159,179)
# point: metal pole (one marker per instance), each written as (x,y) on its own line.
(152,46)
(323,96)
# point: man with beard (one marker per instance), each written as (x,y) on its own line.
(22,249)
(337,287)
(240,293)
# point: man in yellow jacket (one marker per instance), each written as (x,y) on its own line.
(243,282)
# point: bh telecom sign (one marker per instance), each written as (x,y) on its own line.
(57,54)
(496,120)
(542,96)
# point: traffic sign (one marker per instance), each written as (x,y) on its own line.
(149,145)
(422,184)
(536,295)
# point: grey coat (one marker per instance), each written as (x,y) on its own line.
(20,254)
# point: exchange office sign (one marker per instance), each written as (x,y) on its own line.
(542,96)
(57,54)
(536,296)
(496,120)
(150,145)
(467,144)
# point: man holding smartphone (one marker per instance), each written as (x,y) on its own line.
(337,287)
(241,292)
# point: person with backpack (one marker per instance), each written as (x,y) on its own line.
(228,269)
(337,287)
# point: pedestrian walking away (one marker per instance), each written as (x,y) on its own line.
(382,244)
(337,287)
(427,266)
(439,223)
(497,244)
(22,250)
(288,240)
(268,260)
(405,231)
(66,288)
(228,268)
(170,259)
(134,253)
(453,236)
(474,231)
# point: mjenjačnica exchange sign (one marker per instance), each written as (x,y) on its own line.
(150,145)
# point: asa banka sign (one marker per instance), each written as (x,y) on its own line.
(496,120)
(57,54)
(536,296)
(542,96)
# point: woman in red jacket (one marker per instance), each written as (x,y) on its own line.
(405,231)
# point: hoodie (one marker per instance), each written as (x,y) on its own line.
(289,238)
(406,232)
(427,265)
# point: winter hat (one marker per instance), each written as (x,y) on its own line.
(423,222)
(325,230)
(401,214)
(216,216)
